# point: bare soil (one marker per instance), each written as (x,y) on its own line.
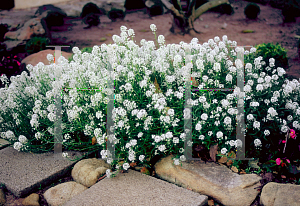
(267,28)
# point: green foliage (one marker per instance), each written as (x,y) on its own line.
(86,49)
(271,50)
(36,44)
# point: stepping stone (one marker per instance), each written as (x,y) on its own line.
(4,143)
(24,172)
(135,188)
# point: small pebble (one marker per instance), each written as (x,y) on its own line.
(201,19)
(206,26)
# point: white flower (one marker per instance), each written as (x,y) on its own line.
(176,161)
(182,158)
(257,142)
(219,134)
(162,148)
(223,150)
(141,157)
(256,124)
(50,57)
(250,117)
(18,146)
(259,87)
(161,39)
(204,116)
(175,140)
(10,135)
(267,132)
(153,27)
(130,32)
(290,118)
(272,112)
(198,127)
(133,142)
(126,166)
(123,28)
(22,139)
(201,137)
(108,173)
(284,129)
(227,120)
(64,154)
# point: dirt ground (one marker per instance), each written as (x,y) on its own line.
(267,28)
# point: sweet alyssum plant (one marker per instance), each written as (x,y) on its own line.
(149,100)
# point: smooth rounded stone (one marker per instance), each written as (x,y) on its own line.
(2,197)
(41,56)
(60,194)
(276,194)
(210,179)
(31,200)
(88,171)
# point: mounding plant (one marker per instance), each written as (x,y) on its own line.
(251,11)
(149,102)
(85,49)
(36,44)
(115,14)
(275,51)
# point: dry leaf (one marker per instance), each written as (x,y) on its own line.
(94,140)
(234,169)
(144,170)
(166,111)
(213,152)
(242,172)
(282,176)
(195,82)
(231,154)
(132,164)
(210,203)
(157,87)
(222,160)
(230,162)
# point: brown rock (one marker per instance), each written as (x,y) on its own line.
(210,179)
(41,56)
(33,26)
(60,194)
(276,194)
(88,171)
(31,200)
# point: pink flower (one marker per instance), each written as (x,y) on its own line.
(18,63)
(288,160)
(15,56)
(293,133)
(283,141)
(278,161)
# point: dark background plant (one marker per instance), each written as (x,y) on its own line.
(9,65)
(252,10)
(36,44)
(276,51)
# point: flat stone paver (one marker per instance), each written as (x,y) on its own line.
(135,188)
(23,172)
(3,143)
